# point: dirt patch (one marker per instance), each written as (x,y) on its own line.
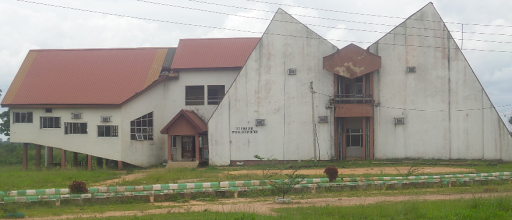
(369,170)
(266,207)
(137,175)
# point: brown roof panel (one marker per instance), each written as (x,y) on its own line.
(191,117)
(213,53)
(88,76)
(351,61)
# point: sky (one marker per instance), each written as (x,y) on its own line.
(26,25)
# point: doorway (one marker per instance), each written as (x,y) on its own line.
(188,147)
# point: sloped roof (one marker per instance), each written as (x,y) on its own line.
(213,53)
(193,119)
(85,76)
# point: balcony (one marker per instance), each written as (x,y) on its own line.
(353,105)
(353,99)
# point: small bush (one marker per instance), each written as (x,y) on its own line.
(78,187)
(332,173)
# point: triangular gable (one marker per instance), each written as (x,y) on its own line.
(351,61)
(442,90)
(186,122)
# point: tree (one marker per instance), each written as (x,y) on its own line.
(5,126)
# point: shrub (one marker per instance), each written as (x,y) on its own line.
(332,173)
(78,187)
(285,186)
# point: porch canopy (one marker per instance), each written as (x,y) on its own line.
(188,123)
(351,61)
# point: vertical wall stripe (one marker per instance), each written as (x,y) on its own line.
(156,66)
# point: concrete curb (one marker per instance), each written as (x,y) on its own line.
(236,186)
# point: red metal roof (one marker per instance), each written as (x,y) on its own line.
(213,53)
(88,76)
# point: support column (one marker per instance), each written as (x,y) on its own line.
(75,159)
(169,148)
(38,157)
(119,165)
(89,162)
(344,142)
(24,160)
(63,159)
(99,162)
(50,156)
(364,137)
(197,147)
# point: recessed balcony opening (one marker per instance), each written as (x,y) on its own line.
(353,91)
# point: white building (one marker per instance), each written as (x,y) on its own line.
(289,95)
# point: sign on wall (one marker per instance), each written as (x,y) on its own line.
(244,130)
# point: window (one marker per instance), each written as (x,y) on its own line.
(48,110)
(354,137)
(142,127)
(22,117)
(107,130)
(215,94)
(49,122)
(194,95)
(75,128)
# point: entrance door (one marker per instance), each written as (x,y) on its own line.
(354,143)
(187,147)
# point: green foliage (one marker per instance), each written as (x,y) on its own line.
(332,173)
(286,186)
(78,187)
(5,126)
(13,177)
(270,169)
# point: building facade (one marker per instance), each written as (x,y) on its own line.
(289,95)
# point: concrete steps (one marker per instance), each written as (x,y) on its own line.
(182,164)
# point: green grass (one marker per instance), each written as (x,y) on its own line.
(14,178)
(476,208)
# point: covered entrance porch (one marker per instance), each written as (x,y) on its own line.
(187,140)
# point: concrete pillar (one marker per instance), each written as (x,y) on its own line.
(197,147)
(120,165)
(169,148)
(38,157)
(63,159)
(89,162)
(75,159)
(24,156)
(50,156)
(99,162)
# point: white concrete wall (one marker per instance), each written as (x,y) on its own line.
(264,90)
(447,113)
(90,143)
(164,100)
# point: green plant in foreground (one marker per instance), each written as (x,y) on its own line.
(286,186)
(269,170)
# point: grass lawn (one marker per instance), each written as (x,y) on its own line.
(14,178)
(477,208)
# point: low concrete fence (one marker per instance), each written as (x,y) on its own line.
(158,192)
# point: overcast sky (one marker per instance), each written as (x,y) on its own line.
(25,26)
